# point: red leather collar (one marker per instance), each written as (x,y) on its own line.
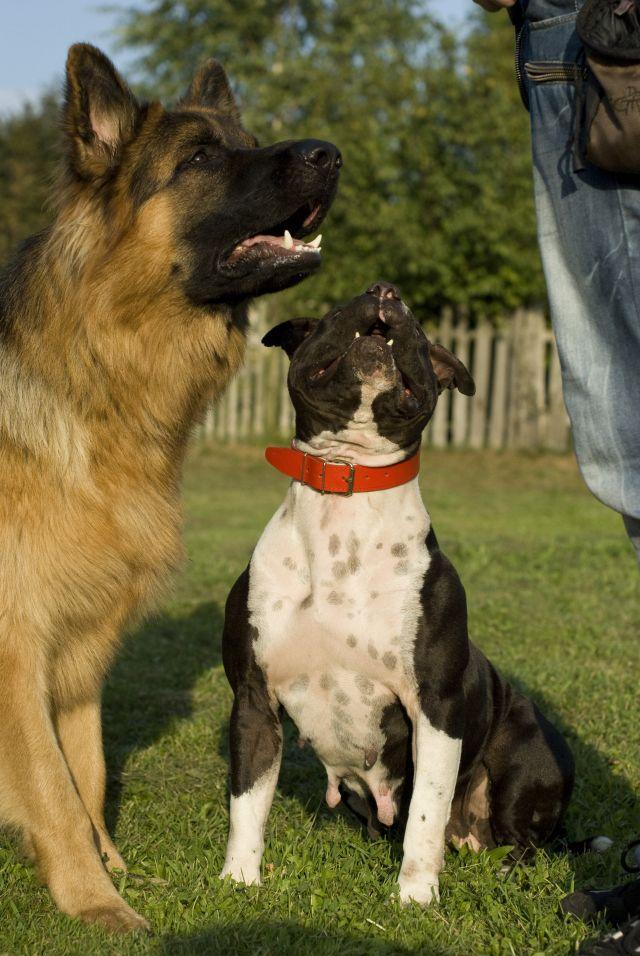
(340,477)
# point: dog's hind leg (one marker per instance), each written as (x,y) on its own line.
(37,794)
(79,728)
(531,772)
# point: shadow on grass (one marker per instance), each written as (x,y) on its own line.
(151,685)
(264,939)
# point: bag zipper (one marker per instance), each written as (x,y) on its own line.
(516,14)
(555,72)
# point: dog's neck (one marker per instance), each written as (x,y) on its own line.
(370,515)
(358,441)
(138,370)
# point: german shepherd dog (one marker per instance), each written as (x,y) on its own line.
(118,324)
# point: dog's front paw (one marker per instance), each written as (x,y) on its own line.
(414,889)
(241,872)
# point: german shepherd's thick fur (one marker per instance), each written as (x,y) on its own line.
(118,324)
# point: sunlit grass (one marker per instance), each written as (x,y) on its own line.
(554,600)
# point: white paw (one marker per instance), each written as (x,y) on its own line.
(247,873)
(423,890)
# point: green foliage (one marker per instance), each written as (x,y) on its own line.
(28,145)
(436,186)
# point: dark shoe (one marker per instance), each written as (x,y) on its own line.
(618,904)
(623,942)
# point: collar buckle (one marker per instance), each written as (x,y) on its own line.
(350,479)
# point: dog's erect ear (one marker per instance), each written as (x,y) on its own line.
(289,335)
(210,89)
(99,114)
(450,371)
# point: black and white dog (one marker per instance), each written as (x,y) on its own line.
(351,619)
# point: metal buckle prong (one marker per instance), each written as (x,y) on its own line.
(350,480)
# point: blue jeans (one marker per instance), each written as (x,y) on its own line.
(589,235)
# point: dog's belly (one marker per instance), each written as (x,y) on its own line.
(338,711)
(336,616)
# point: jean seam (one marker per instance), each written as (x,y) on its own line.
(552,21)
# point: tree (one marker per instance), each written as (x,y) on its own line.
(436,187)
(28,151)
(435,193)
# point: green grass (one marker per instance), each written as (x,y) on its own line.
(554,600)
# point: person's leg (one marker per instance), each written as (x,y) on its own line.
(589,233)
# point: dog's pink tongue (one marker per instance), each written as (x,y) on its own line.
(384,802)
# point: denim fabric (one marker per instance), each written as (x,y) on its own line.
(589,234)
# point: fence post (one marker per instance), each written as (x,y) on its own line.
(497,422)
(481,374)
(246,394)
(258,427)
(557,437)
(460,402)
(526,404)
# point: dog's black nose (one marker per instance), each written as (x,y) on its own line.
(318,153)
(384,290)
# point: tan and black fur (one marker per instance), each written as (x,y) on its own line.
(118,324)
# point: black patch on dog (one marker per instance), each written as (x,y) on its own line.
(255,731)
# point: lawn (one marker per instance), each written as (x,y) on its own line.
(554,600)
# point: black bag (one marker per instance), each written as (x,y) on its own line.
(608,88)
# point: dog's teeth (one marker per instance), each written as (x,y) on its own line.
(288,241)
(315,244)
(390,342)
(357,335)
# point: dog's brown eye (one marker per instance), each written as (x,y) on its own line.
(198,158)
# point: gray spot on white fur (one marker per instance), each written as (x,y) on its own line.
(339,569)
(334,545)
(399,550)
(300,683)
(373,652)
(277,605)
(364,685)
(402,567)
(289,563)
(345,718)
(352,640)
(326,682)
(389,660)
(308,601)
(335,598)
(342,698)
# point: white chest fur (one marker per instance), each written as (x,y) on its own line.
(335,598)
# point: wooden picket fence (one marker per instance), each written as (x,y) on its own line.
(518,401)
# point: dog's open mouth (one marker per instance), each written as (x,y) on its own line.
(284,240)
(380,331)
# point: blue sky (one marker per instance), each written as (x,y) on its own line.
(36,33)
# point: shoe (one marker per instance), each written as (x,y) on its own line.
(623,942)
(618,904)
